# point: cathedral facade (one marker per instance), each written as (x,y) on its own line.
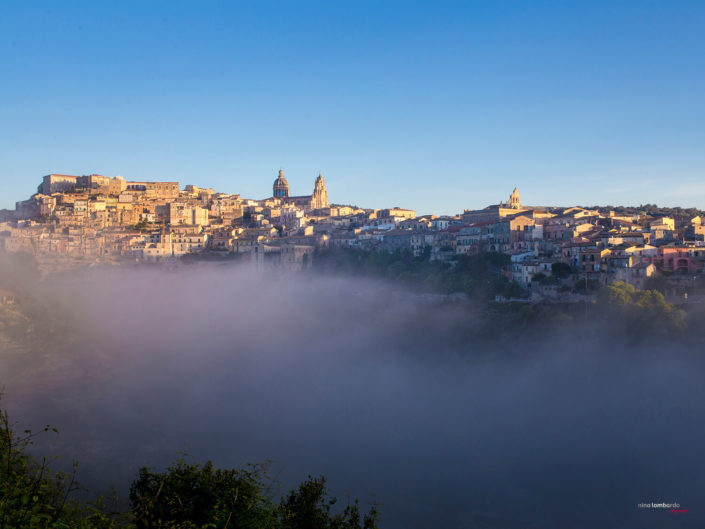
(317,200)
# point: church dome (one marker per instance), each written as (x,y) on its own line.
(281,186)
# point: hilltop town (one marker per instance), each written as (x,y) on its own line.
(81,220)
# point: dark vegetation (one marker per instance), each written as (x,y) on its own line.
(142,225)
(622,315)
(184,496)
(640,309)
(479,276)
(643,314)
(654,210)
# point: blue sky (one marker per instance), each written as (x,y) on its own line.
(436,106)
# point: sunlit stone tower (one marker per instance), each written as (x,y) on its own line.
(319,199)
(281,186)
(514,201)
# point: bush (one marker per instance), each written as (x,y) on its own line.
(31,495)
(189,496)
(185,496)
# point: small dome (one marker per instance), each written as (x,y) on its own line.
(280,179)
(281,186)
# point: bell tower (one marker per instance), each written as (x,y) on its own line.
(319,199)
(514,201)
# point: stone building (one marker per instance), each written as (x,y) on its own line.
(152,190)
(57,183)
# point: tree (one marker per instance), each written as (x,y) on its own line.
(643,311)
(586,286)
(560,270)
(31,494)
(539,277)
(190,496)
(307,508)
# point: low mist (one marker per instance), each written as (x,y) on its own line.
(385,393)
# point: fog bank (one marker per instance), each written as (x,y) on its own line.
(381,391)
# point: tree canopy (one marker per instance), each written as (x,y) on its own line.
(640,311)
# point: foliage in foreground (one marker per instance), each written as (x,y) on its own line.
(185,496)
(31,495)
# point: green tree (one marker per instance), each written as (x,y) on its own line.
(190,496)
(645,312)
(31,494)
(307,507)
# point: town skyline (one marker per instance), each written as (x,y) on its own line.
(9,202)
(82,220)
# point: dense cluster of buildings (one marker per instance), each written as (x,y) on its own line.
(96,219)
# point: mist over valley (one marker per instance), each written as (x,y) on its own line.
(402,400)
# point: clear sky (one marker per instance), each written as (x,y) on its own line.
(436,106)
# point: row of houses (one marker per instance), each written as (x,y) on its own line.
(96,217)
